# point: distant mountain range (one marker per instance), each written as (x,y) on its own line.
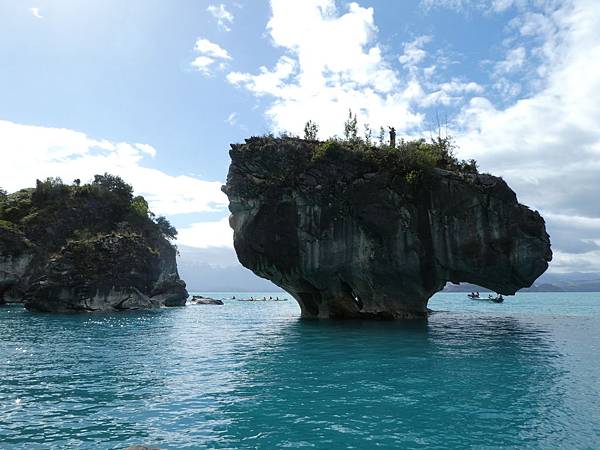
(548,282)
(217,269)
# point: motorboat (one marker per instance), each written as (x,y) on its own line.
(490,298)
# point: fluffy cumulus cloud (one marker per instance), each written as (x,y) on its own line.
(42,152)
(332,61)
(210,56)
(222,15)
(414,52)
(515,59)
(547,144)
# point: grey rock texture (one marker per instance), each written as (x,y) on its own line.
(352,237)
(200,300)
(16,256)
(108,273)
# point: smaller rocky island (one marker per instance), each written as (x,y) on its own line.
(201,300)
(86,247)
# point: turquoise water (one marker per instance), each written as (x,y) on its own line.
(524,374)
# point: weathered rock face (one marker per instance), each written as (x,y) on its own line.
(110,272)
(200,300)
(84,248)
(16,255)
(351,238)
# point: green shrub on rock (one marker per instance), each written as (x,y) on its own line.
(331,148)
(139,206)
(165,227)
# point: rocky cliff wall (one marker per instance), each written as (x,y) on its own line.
(108,272)
(16,256)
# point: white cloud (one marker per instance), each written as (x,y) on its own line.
(208,48)
(222,15)
(414,52)
(207,234)
(575,240)
(451,92)
(331,63)
(147,149)
(210,53)
(515,59)
(457,5)
(505,82)
(36,13)
(202,64)
(501,5)
(267,81)
(232,118)
(429,71)
(487,6)
(41,152)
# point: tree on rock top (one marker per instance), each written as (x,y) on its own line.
(166,228)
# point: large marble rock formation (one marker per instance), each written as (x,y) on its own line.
(356,237)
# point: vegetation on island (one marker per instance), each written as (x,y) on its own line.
(335,170)
(411,155)
(55,213)
(412,160)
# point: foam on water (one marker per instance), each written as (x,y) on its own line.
(252,375)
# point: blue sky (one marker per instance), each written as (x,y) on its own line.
(157,90)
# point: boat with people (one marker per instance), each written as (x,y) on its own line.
(263,299)
(498,298)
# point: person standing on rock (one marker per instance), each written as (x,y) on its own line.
(392,137)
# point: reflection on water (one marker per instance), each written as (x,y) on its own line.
(255,376)
(436,383)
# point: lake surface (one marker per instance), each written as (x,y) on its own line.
(523,374)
